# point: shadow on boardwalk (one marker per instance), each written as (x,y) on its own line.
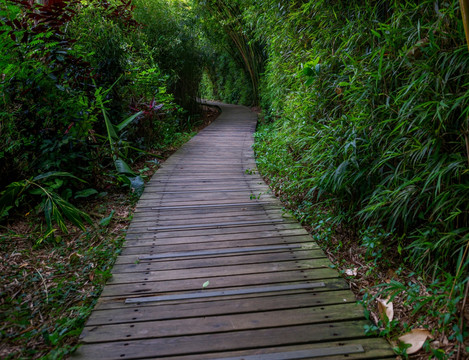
(213,269)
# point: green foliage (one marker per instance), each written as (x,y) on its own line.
(373,114)
(429,301)
(55,208)
(225,80)
(366,109)
(52,291)
(54,113)
(116,143)
(172,34)
(106,220)
(233,58)
(41,108)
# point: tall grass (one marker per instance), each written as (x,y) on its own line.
(372,110)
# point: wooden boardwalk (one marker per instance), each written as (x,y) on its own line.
(212,268)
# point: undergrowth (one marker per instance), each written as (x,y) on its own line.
(49,286)
(49,290)
(366,115)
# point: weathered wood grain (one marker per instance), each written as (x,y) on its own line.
(163,311)
(213,268)
(224,341)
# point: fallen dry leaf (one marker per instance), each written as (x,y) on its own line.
(351,272)
(415,338)
(385,309)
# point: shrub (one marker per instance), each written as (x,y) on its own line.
(373,116)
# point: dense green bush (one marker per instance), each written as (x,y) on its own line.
(234,60)
(225,80)
(173,39)
(72,71)
(41,92)
(372,109)
(367,133)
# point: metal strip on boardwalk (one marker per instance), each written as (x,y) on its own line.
(303,354)
(184,207)
(205,294)
(200,191)
(216,225)
(218,252)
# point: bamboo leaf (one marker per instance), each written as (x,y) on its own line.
(85,193)
(56,174)
(127,121)
(105,221)
(11,195)
(48,209)
(122,167)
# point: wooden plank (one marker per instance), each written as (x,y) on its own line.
(256,233)
(184,192)
(375,349)
(170,245)
(196,344)
(189,161)
(194,216)
(218,282)
(206,217)
(162,311)
(147,214)
(223,323)
(218,251)
(205,198)
(217,225)
(214,194)
(131,263)
(224,293)
(290,253)
(205,272)
(165,245)
(215,228)
(333,286)
(293,236)
(212,222)
(192,249)
(221,205)
(157,209)
(304,354)
(205,232)
(223,252)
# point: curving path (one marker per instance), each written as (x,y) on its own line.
(213,268)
